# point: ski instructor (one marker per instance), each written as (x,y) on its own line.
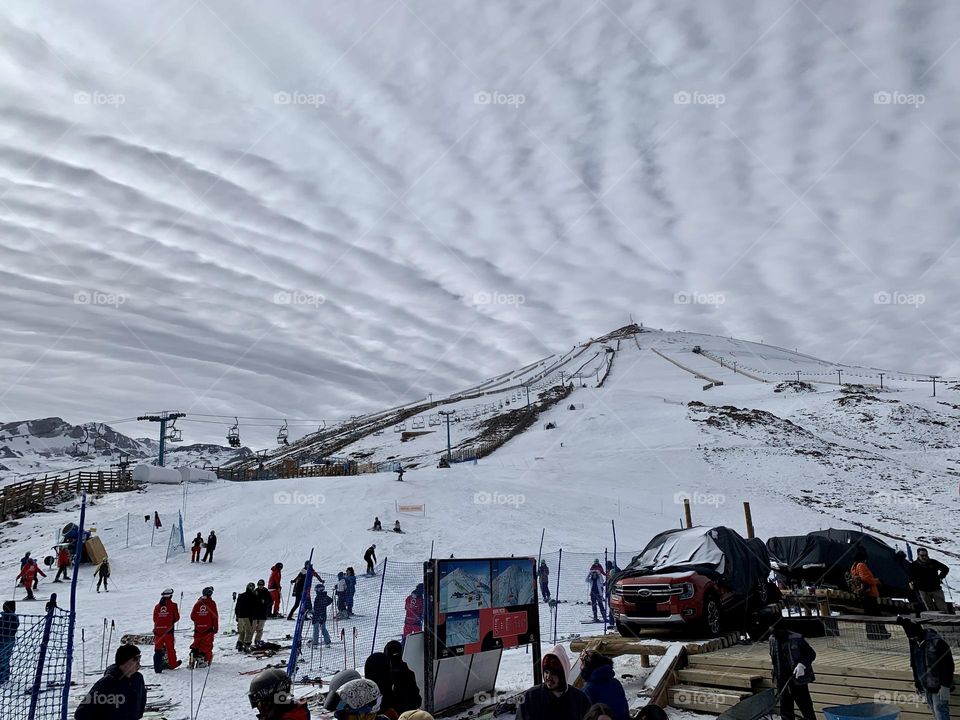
(166,614)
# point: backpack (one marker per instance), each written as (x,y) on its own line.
(854,583)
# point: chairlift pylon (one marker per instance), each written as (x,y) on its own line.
(233,434)
(282,435)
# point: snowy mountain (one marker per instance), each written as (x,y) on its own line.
(29,447)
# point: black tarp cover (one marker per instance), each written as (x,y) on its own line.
(717,552)
(825,556)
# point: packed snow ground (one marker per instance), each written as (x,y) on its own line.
(631,452)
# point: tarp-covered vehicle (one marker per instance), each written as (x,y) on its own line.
(823,559)
(702,576)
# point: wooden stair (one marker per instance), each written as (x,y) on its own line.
(704,699)
(720,677)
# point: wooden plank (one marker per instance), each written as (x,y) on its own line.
(658,681)
(719,678)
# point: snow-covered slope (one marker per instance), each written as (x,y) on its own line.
(630,451)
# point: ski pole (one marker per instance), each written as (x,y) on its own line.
(354,646)
(343,639)
(103,641)
(83,652)
(202,688)
(191,688)
(109,641)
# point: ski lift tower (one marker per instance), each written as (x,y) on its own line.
(446,414)
(163,418)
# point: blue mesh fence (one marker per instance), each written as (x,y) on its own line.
(33,664)
(363,621)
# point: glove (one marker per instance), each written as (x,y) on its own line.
(919,689)
(799,670)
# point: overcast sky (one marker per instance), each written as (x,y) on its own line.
(313,209)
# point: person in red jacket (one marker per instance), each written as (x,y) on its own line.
(413,617)
(273,585)
(28,574)
(206,623)
(63,563)
(166,614)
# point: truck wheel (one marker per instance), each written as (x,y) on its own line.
(624,630)
(711,616)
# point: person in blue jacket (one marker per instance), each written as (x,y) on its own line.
(9,624)
(601,685)
(792,659)
(351,578)
(320,604)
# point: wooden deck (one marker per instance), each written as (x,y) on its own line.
(844,676)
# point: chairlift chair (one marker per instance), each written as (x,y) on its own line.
(434,420)
(418,423)
(233,434)
(282,434)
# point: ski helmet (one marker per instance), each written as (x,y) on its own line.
(208,591)
(271,684)
(336,682)
(167,593)
(359,695)
(280,566)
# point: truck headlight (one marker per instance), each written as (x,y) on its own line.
(688,591)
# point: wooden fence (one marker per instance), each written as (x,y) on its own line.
(42,493)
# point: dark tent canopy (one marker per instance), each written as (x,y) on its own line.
(824,557)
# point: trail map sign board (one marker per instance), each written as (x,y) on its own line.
(476,608)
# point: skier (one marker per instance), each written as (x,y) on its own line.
(121,685)
(400,473)
(351,578)
(264,603)
(25,559)
(273,585)
(320,604)
(156,520)
(9,624)
(28,575)
(63,563)
(211,546)
(298,582)
(195,548)
(271,695)
(396,527)
(543,573)
(341,593)
(371,557)
(103,573)
(246,609)
(413,612)
(597,593)
(206,623)
(166,614)
(376,524)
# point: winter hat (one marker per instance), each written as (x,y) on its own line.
(418,590)
(208,591)
(167,593)
(251,587)
(336,682)
(592,661)
(10,606)
(377,668)
(416,715)
(125,653)
(359,695)
(261,582)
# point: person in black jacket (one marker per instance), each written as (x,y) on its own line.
(262,611)
(9,624)
(247,609)
(792,659)
(211,546)
(554,699)
(298,582)
(926,577)
(195,548)
(403,681)
(120,694)
(932,663)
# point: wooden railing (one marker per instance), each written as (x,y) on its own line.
(42,493)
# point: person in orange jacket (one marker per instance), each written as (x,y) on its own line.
(166,614)
(273,585)
(871,585)
(206,623)
(63,563)
(28,574)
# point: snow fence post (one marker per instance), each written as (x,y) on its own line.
(376,622)
(72,621)
(38,677)
(614,526)
(556,597)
